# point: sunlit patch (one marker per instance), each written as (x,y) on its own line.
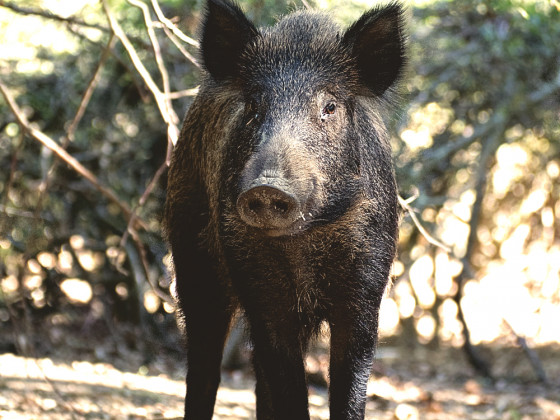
(32,282)
(406,412)
(511,158)
(420,277)
(426,327)
(33,266)
(534,202)
(553,169)
(388,317)
(77,241)
(65,261)
(386,389)
(151,301)
(89,260)
(513,246)
(76,290)
(405,301)
(415,140)
(397,269)
(451,328)
(9,284)
(445,271)
(47,260)
(169,308)
(454,231)
(122,290)
(38,296)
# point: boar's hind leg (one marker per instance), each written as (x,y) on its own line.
(207,315)
(353,340)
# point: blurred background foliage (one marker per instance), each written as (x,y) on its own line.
(478,148)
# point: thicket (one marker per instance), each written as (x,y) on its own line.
(92,104)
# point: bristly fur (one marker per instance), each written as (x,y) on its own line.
(298,108)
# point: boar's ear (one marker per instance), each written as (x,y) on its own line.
(225,33)
(377,43)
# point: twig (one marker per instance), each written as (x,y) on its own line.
(140,88)
(61,153)
(11,211)
(86,97)
(49,15)
(134,234)
(530,353)
(146,268)
(545,90)
(488,151)
(306,4)
(161,170)
(405,205)
(183,51)
(13,165)
(435,156)
(155,46)
(89,89)
(176,31)
(169,115)
(183,93)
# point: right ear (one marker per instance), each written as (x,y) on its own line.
(225,33)
(377,42)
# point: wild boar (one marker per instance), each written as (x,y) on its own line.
(282,201)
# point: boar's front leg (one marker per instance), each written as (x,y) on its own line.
(353,325)
(207,314)
(278,342)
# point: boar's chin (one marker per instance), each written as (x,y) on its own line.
(295,229)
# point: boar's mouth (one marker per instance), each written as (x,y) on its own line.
(272,206)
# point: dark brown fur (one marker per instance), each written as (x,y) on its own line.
(263,116)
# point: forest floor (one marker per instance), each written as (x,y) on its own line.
(103,381)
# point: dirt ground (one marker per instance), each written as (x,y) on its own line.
(407,383)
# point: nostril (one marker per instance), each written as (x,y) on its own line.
(281,206)
(255,205)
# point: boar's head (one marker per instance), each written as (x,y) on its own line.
(309,139)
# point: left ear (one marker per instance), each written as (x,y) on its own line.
(377,44)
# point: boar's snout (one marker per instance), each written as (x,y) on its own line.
(269,206)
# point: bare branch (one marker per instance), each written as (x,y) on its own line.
(146,268)
(49,15)
(142,201)
(545,90)
(169,115)
(183,93)
(405,205)
(61,153)
(89,89)
(74,124)
(306,4)
(489,149)
(183,51)
(140,87)
(170,25)
(13,166)
(157,50)
(530,353)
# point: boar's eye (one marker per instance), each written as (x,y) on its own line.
(328,110)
